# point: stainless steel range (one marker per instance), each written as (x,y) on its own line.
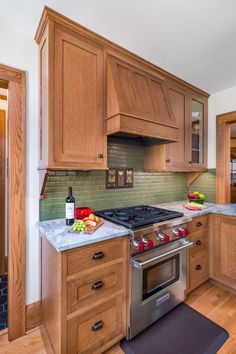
(158,250)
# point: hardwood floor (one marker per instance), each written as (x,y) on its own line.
(219,305)
(212,301)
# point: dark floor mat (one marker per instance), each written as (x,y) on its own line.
(3,302)
(181,331)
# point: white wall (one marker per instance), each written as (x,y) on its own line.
(20,51)
(219,102)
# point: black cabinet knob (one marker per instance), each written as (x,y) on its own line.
(100,156)
(198,267)
(97,285)
(190,162)
(198,242)
(98,255)
(199,224)
(167,160)
(98,325)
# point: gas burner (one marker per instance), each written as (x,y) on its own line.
(138,216)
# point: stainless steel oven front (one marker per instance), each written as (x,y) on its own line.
(158,283)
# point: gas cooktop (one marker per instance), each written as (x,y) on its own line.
(137,216)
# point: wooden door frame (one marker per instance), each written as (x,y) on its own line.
(2,188)
(16,199)
(223,122)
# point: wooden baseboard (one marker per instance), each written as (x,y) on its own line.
(3,265)
(33,315)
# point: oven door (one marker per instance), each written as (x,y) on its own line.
(158,283)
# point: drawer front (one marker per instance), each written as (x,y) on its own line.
(198,223)
(87,289)
(198,270)
(93,255)
(200,242)
(90,332)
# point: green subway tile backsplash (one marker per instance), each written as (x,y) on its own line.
(206,184)
(89,186)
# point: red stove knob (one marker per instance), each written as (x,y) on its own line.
(163,237)
(186,231)
(138,245)
(150,244)
(147,242)
(178,232)
(141,246)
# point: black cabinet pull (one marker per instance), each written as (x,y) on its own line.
(198,242)
(98,325)
(97,285)
(100,156)
(167,160)
(199,224)
(190,162)
(198,267)
(98,255)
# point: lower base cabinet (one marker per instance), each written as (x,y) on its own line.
(223,250)
(84,296)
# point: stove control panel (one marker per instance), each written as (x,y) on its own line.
(145,239)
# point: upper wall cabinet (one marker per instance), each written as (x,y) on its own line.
(138,103)
(91,88)
(190,152)
(72,95)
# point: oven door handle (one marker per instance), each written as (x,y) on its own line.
(153,260)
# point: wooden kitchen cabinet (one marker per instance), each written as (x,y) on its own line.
(71,100)
(199,255)
(223,250)
(190,152)
(84,296)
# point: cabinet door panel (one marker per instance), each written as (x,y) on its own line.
(224,251)
(89,332)
(78,100)
(176,152)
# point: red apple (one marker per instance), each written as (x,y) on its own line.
(191,195)
(196,196)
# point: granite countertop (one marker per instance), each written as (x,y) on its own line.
(57,233)
(223,209)
(59,236)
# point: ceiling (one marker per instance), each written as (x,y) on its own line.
(193,39)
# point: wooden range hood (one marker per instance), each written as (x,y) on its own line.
(138,104)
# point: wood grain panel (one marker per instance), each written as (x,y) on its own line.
(78,114)
(223,250)
(198,223)
(83,258)
(200,241)
(2,186)
(81,291)
(33,315)
(199,270)
(223,122)
(16,199)
(82,339)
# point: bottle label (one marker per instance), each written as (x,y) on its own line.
(70,210)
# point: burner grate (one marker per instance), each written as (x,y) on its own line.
(137,216)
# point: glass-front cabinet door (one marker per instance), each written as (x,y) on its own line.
(198,132)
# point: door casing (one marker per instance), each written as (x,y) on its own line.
(16,168)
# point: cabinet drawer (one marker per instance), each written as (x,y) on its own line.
(87,289)
(94,255)
(198,223)
(90,332)
(198,270)
(200,242)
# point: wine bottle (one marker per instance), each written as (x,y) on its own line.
(70,207)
